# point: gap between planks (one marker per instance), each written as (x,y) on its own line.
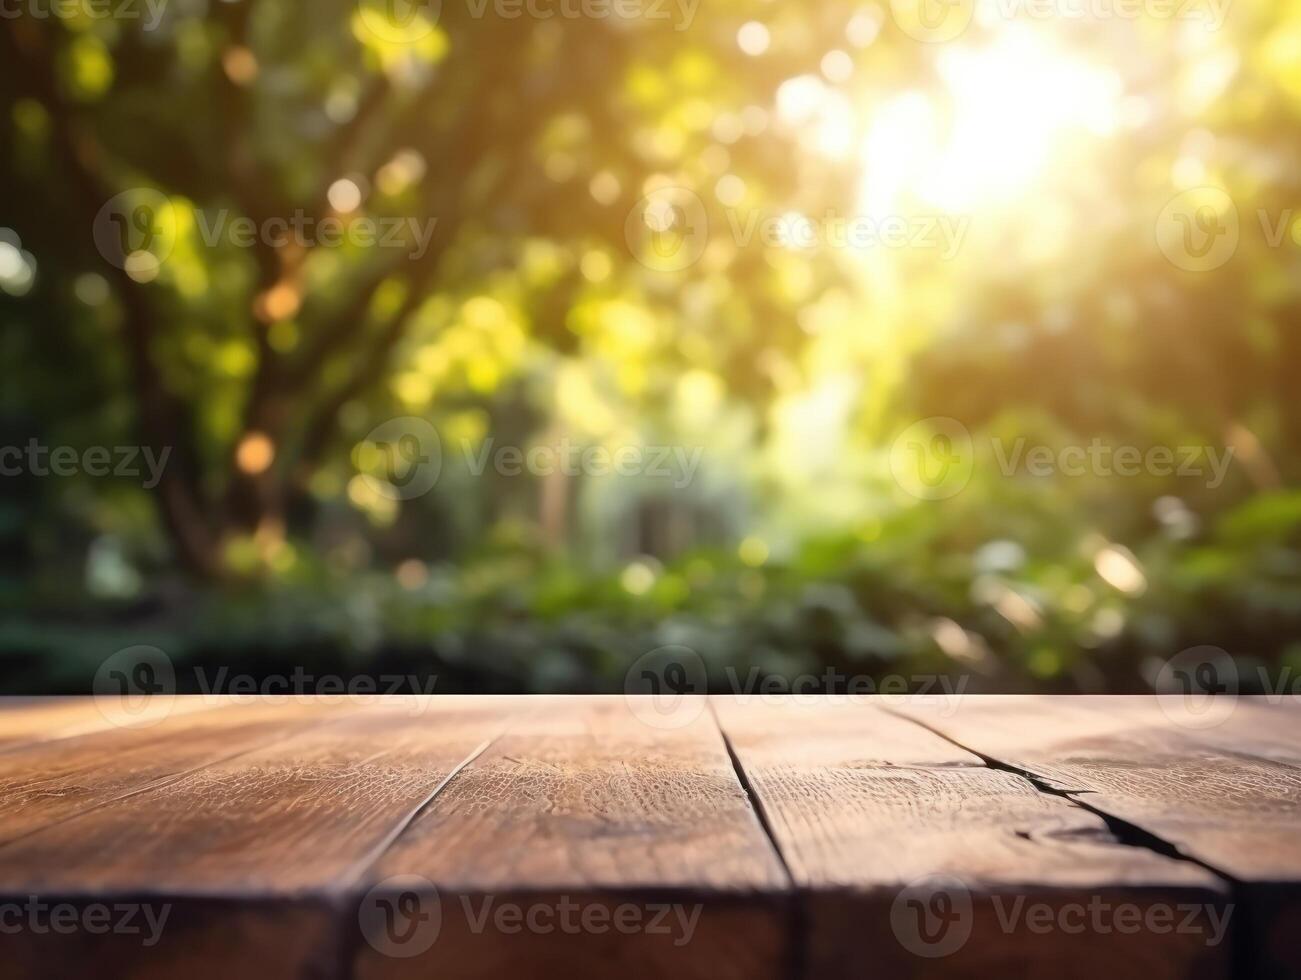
(807,893)
(1242,954)
(349,889)
(1126,832)
(797,966)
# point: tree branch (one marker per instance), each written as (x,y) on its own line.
(158,412)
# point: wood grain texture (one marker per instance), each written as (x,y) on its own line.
(255,854)
(1254,726)
(1258,727)
(1202,791)
(556,837)
(30,721)
(882,822)
(584,804)
(45,783)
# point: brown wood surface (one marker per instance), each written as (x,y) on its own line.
(46,783)
(1256,727)
(28,721)
(1227,795)
(256,853)
(584,802)
(874,815)
(557,837)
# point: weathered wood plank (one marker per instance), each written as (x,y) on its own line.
(1259,726)
(255,855)
(915,859)
(1204,791)
(29,721)
(591,822)
(585,836)
(48,782)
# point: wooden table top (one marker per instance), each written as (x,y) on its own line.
(756,838)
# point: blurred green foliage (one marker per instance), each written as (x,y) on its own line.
(535,316)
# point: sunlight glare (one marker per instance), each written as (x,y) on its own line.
(1014,109)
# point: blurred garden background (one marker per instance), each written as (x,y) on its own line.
(509,341)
